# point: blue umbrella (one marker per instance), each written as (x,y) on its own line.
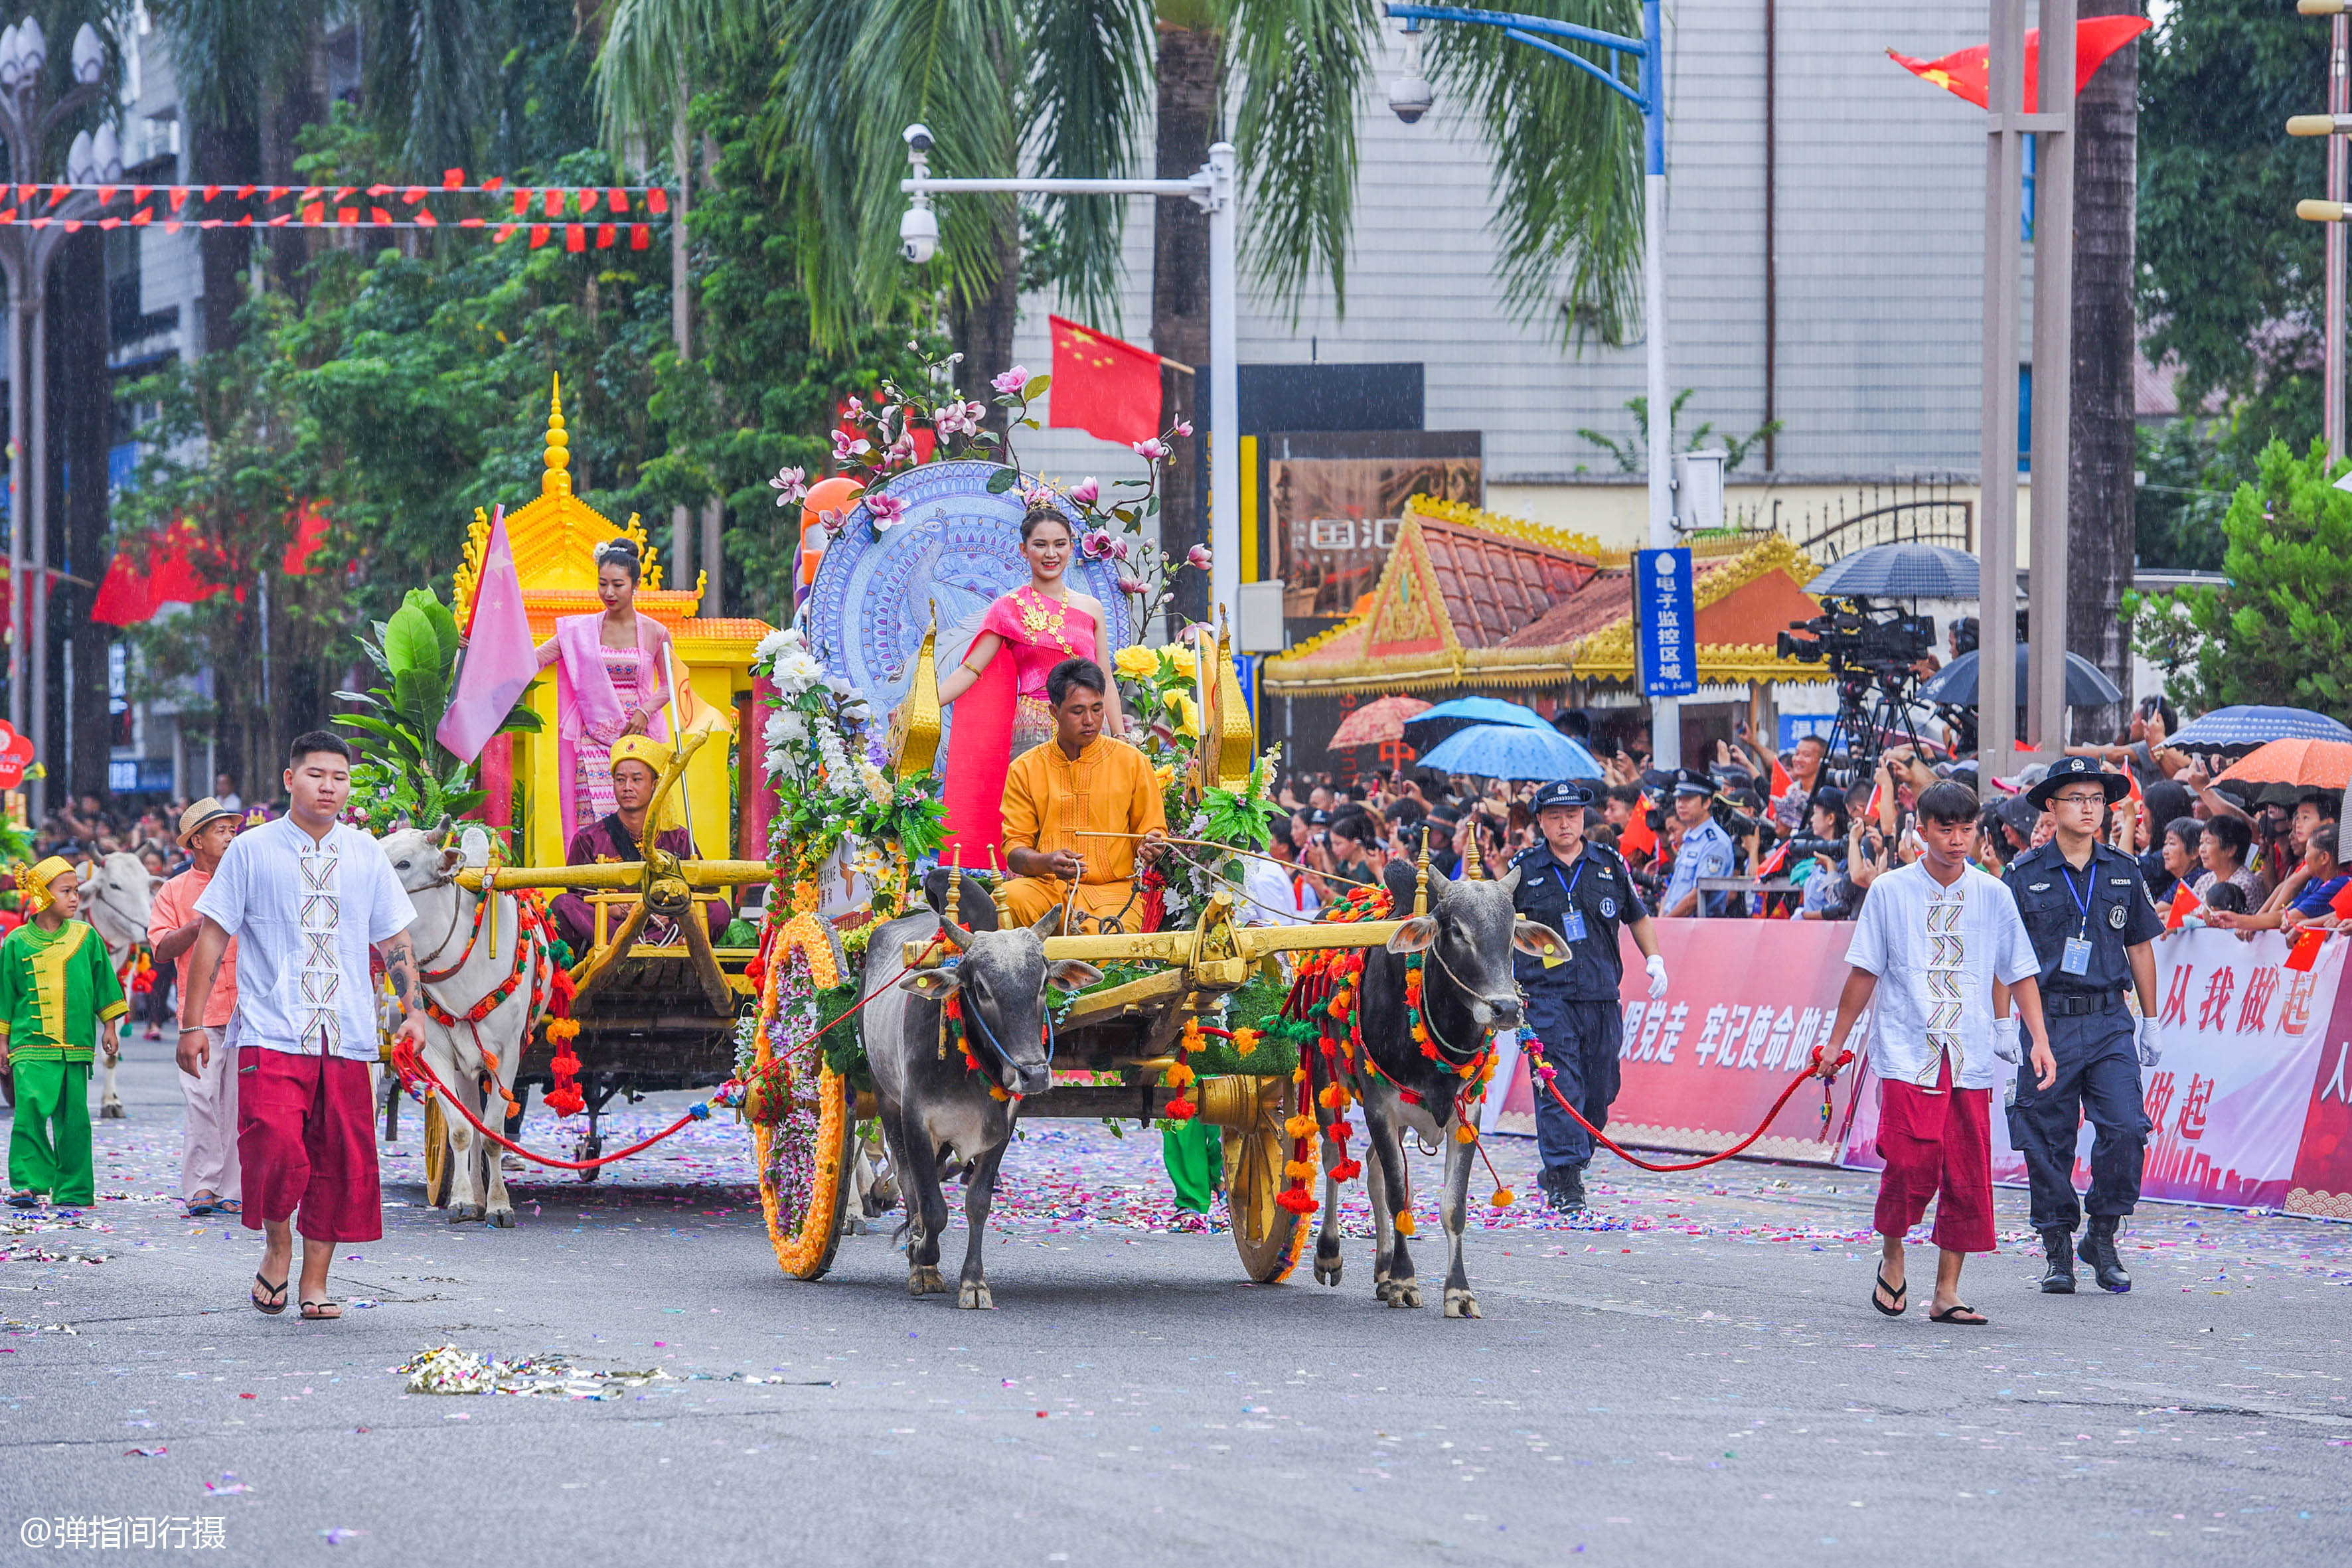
(2253,726)
(1426,728)
(1901,572)
(1513,752)
(2087,685)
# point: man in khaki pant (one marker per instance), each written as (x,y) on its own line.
(208,1168)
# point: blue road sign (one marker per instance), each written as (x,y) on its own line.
(1666,616)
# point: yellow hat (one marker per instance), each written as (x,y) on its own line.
(657,755)
(33,881)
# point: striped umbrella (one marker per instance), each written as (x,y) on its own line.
(1376,721)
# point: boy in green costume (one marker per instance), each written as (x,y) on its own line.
(57,988)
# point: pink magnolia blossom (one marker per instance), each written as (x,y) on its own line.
(1085,493)
(1013,380)
(1197,557)
(901,452)
(957,418)
(846,446)
(1097,545)
(790,485)
(855,411)
(1130,585)
(1151,451)
(831,520)
(1183,427)
(885,510)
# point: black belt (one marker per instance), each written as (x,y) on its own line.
(2075,1004)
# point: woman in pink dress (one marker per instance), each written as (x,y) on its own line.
(999,689)
(612,680)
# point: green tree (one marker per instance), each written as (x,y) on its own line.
(2280,629)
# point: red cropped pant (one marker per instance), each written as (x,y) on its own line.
(306,1139)
(1937,1145)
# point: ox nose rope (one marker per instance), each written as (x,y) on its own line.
(1540,1070)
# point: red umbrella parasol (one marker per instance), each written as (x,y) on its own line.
(1376,721)
(2325,764)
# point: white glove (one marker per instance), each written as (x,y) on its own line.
(2148,1054)
(2004,1039)
(1657,968)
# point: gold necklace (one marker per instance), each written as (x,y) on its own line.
(1034,616)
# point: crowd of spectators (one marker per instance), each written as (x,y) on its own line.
(1811,831)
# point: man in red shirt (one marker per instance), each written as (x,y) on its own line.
(208,1168)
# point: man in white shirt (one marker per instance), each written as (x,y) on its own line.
(305,897)
(1932,939)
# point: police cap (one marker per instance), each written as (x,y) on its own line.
(2076,769)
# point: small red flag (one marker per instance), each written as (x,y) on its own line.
(555,204)
(1781,783)
(640,236)
(1103,386)
(575,237)
(2342,902)
(2304,953)
(451,179)
(2184,904)
(605,233)
(1641,838)
(2132,779)
(538,235)
(657,201)
(1969,72)
(379,216)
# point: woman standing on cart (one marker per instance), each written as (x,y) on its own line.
(999,688)
(612,680)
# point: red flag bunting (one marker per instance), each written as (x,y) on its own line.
(605,233)
(657,201)
(640,236)
(538,235)
(452,178)
(575,237)
(555,204)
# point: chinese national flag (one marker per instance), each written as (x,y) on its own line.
(1781,783)
(2304,953)
(1639,839)
(2342,902)
(1103,386)
(1969,72)
(2184,904)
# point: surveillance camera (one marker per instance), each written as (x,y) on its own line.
(1410,98)
(918,235)
(918,138)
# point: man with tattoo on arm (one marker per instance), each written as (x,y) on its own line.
(305,897)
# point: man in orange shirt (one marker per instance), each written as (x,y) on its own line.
(1083,807)
(208,1167)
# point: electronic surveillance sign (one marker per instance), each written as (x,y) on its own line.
(1666,619)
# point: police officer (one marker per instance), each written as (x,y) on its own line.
(1706,850)
(2087,911)
(1580,893)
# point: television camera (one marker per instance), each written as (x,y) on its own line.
(1874,651)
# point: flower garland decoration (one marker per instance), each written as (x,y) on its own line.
(952,1028)
(1323,1008)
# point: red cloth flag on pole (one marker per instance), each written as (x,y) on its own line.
(1640,837)
(2184,904)
(1969,72)
(2304,951)
(1781,783)
(1103,386)
(500,660)
(2342,902)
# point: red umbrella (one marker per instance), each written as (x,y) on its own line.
(1376,721)
(2327,764)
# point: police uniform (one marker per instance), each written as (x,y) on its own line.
(1572,1010)
(2082,923)
(1705,851)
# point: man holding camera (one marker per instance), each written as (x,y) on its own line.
(2087,914)
(1575,1023)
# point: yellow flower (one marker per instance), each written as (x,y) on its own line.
(1179,657)
(1136,663)
(1187,716)
(1166,773)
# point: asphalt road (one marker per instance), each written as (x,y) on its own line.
(1699,1382)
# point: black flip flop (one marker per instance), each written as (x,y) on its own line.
(1951,1314)
(316,1313)
(278,1291)
(1895,1293)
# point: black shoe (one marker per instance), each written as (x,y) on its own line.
(2099,1251)
(2060,1246)
(1564,1189)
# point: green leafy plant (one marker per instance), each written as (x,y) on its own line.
(403,772)
(1634,456)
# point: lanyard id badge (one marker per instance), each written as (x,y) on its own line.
(2075,958)
(1571,925)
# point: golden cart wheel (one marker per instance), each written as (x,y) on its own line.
(436,1154)
(1267,1235)
(806,1234)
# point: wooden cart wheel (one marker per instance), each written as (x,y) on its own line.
(1267,1235)
(436,1154)
(804,1169)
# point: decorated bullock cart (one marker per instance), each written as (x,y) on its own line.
(1180,1005)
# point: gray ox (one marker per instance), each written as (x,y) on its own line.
(934,1111)
(118,898)
(442,933)
(1467,993)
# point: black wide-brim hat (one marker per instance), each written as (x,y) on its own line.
(2072,770)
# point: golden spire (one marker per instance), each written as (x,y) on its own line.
(555,481)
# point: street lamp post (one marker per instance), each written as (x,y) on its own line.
(25,252)
(1210,188)
(1411,98)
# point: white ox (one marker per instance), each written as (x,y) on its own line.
(471,967)
(117,897)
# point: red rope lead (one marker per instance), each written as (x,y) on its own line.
(1541,1070)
